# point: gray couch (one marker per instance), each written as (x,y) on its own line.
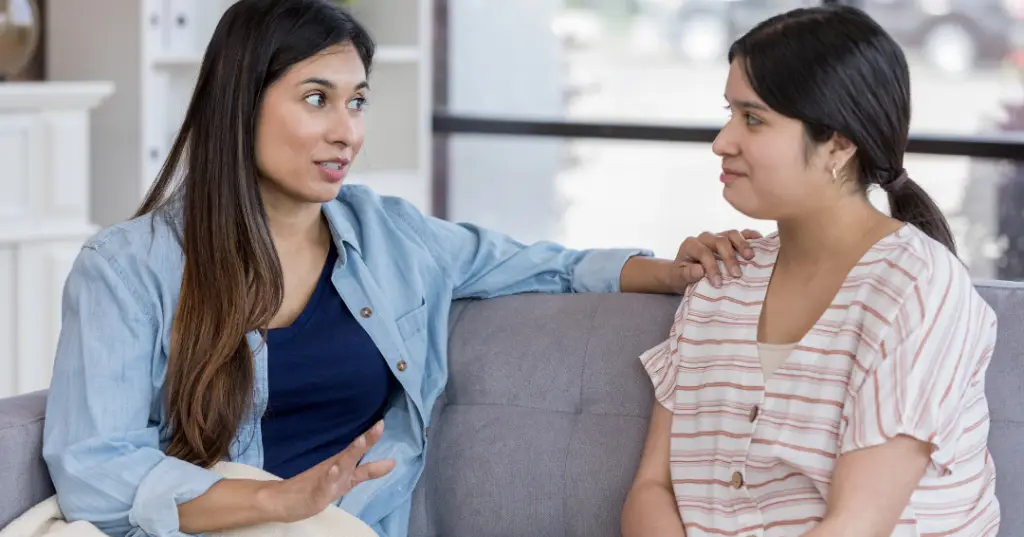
(544,417)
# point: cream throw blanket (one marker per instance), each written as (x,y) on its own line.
(46,520)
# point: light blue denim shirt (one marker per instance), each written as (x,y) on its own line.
(106,428)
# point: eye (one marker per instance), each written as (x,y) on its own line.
(752,120)
(317,99)
(357,104)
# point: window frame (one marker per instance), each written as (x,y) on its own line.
(444,124)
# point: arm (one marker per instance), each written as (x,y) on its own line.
(482,263)
(907,419)
(99,444)
(648,275)
(228,504)
(102,451)
(871,487)
(236,503)
(650,509)
(698,257)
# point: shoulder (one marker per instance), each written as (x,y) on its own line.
(153,238)
(380,216)
(384,228)
(143,253)
(756,271)
(391,219)
(160,229)
(741,296)
(936,283)
(367,203)
(939,306)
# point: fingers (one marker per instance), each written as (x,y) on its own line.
(740,244)
(372,470)
(727,253)
(702,251)
(706,249)
(694,273)
(351,455)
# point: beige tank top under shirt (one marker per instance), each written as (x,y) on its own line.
(772,355)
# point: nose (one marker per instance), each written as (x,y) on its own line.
(725,143)
(346,129)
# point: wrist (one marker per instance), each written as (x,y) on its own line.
(643,274)
(266,503)
(664,276)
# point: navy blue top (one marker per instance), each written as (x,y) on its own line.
(328,382)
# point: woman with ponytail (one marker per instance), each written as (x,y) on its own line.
(837,387)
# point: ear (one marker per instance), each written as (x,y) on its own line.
(841,151)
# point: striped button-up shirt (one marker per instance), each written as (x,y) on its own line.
(902,350)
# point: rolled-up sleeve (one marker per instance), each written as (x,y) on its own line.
(483,263)
(101,448)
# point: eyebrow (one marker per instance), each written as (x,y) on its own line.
(747,104)
(331,85)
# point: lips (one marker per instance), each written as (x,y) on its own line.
(333,164)
(333,170)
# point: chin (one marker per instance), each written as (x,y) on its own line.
(324,192)
(744,201)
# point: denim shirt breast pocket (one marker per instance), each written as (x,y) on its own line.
(412,327)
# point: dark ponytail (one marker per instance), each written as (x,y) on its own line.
(909,203)
(837,71)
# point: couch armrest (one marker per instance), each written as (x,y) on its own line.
(24,480)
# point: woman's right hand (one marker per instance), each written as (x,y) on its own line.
(310,492)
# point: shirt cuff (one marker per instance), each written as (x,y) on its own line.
(170,483)
(600,271)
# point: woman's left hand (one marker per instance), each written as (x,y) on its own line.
(698,257)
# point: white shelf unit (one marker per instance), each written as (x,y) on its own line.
(152,50)
(44,205)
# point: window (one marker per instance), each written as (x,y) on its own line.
(608,193)
(605,89)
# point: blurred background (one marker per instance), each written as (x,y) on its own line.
(637,64)
(587,122)
(581,121)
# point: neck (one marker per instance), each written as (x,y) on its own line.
(293,224)
(830,234)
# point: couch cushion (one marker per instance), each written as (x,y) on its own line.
(1005,390)
(543,418)
(545,412)
(24,480)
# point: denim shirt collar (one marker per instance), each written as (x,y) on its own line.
(340,221)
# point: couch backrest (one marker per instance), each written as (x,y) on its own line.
(544,417)
(24,480)
(546,410)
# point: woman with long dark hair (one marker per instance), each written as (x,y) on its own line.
(837,387)
(257,311)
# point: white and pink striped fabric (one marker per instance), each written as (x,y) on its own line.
(902,350)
